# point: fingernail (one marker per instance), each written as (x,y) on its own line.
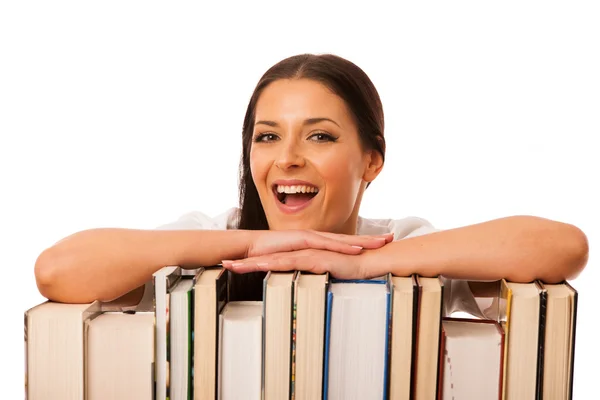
(226,261)
(380,239)
(263,264)
(237,264)
(357,247)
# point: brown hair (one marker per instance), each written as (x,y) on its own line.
(343,78)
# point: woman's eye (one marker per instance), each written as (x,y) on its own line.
(265,137)
(322,137)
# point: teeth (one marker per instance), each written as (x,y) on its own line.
(296,189)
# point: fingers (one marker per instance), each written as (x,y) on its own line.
(256,264)
(309,260)
(301,260)
(364,241)
(321,242)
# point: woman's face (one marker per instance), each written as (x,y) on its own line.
(306,158)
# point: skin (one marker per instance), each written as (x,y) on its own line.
(290,142)
(113,264)
(519,248)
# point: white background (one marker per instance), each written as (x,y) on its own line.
(129,114)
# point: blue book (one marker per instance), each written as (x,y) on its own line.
(357,332)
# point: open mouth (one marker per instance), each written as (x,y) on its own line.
(295,195)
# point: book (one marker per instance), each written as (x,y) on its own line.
(119,356)
(311,337)
(210,296)
(357,339)
(240,351)
(308,335)
(55,351)
(180,340)
(164,281)
(559,340)
(431,292)
(277,334)
(405,296)
(472,356)
(521,313)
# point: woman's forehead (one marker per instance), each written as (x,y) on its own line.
(299,99)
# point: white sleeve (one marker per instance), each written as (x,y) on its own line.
(199,220)
(189,221)
(421,227)
(410,227)
(401,228)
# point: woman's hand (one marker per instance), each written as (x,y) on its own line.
(340,266)
(270,242)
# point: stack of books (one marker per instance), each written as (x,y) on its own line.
(310,337)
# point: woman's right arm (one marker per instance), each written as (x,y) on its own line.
(105,264)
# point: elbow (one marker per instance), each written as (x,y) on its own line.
(576,252)
(567,252)
(45,271)
(52,270)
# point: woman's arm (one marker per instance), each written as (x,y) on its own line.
(519,248)
(104,264)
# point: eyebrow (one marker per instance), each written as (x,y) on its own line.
(308,121)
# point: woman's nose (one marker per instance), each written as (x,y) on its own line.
(290,157)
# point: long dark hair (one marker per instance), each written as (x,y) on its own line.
(343,78)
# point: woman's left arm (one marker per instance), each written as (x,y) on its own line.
(518,248)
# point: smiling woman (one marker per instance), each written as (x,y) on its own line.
(313,141)
(305,140)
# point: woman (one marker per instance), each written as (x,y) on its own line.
(312,143)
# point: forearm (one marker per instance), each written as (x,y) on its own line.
(102,264)
(519,249)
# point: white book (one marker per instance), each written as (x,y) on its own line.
(472,359)
(119,356)
(310,292)
(357,340)
(54,350)
(240,351)
(277,314)
(210,296)
(164,280)
(180,340)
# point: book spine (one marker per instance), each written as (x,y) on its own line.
(264,336)
(414,333)
(190,332)
(416,327)
(505,301)
(503,346)
(221,299)
(327,341)
(387,348)
(441,364)
(573,333)
(168,347)
(26,355)
(293,354)
(439,381)
(541,346)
